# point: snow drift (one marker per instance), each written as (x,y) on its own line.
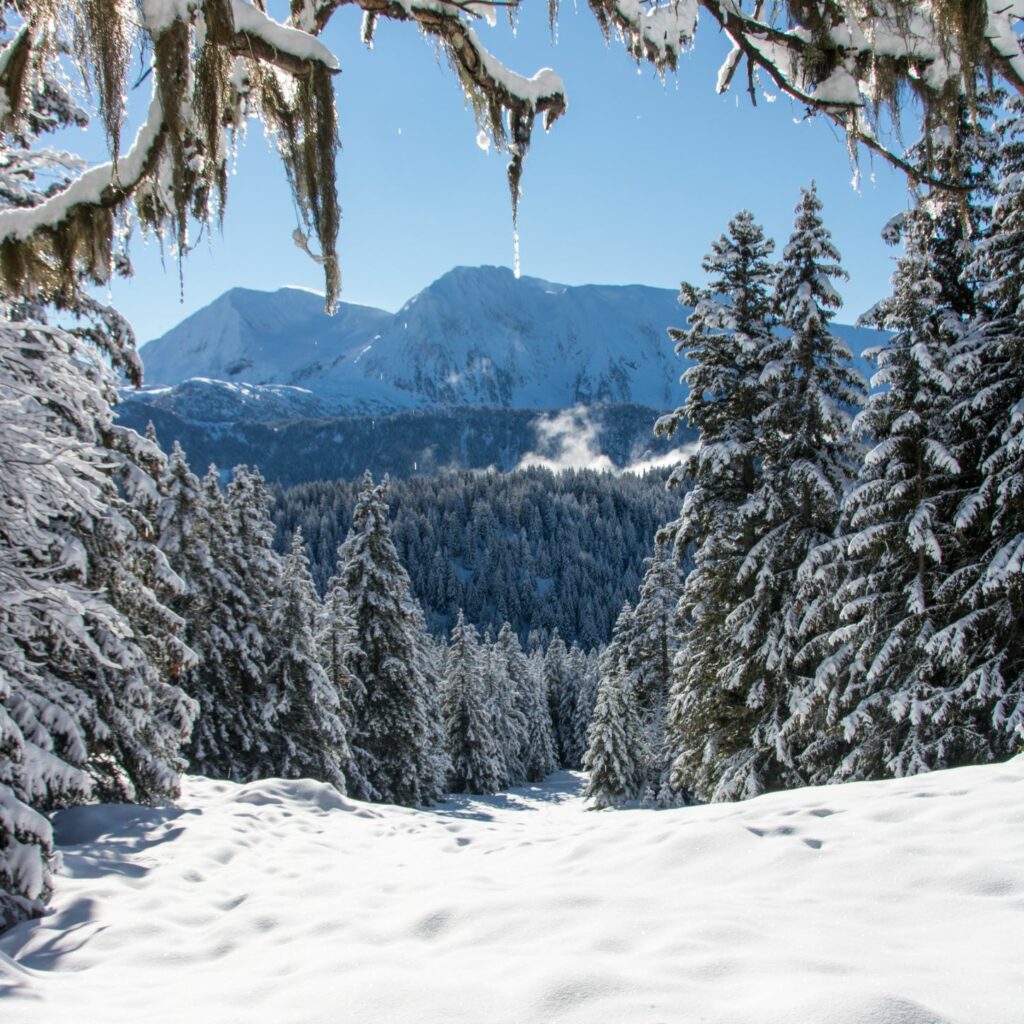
(280,901)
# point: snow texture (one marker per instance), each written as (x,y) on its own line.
(282,902)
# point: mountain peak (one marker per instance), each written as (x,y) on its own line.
(477,336)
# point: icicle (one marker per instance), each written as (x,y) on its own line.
(515,250)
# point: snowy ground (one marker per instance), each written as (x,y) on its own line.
(893,903)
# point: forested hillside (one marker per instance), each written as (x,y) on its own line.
(296,450)
(538,549)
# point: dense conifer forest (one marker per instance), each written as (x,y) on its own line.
(538,549)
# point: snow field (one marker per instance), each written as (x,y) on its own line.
(279,901)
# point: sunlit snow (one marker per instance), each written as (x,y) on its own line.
(873,903)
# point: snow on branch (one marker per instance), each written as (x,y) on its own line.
(176,167)
(505,102)
(845,61)
(657,32)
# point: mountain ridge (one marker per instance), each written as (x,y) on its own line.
(477,336)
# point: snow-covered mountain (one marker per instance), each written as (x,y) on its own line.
(478,336)
(267,377)
(260,338)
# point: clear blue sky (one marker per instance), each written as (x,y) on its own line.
(629,187)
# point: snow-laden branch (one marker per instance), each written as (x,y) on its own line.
(283,45)
(105,185)
(543,93)
(176,166)
(657,32)
(845,66)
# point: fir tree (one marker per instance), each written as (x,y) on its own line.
(615,756)
(507,714)
(89,708)
(880,706)
(337,647)
(587,672)
(728,339)
(310,737)
(537,752)
(396,724)
(473,747)
(982,644)
(226,626)
(560,684)
(738,737)
(651,643)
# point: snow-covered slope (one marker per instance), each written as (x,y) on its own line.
(254,337)
(478,336)
(283,903)
(201,400)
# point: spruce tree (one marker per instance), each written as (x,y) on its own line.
(561,695)
(738,737)
(584,670)
(728,339)
(310,738)
(473,747)
(982,645)
(396,728)
(534,753)
(809,461)
(227,625)
(880,705)
(336,645)
(651,644)
(537,753)
(556,683)
(89,704)
(615,755)
(509,720)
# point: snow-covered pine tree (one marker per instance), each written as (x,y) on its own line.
(535,754)
(616,753)
(309,740)
(336,647)
(508,717)
(586,673)
(809,460)
(396,728)
(538,753)
(84,711)
(473,747)
(880,705)
(651,646)
(729,335)
(982,644)
(89,650)
(232,585)
(562,685)
(561,695)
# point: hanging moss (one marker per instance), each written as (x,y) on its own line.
(104,42)
(171,52)
(305,126)
(14,75)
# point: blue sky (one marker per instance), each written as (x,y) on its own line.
(629,187)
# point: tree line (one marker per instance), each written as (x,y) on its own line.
(543,551)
